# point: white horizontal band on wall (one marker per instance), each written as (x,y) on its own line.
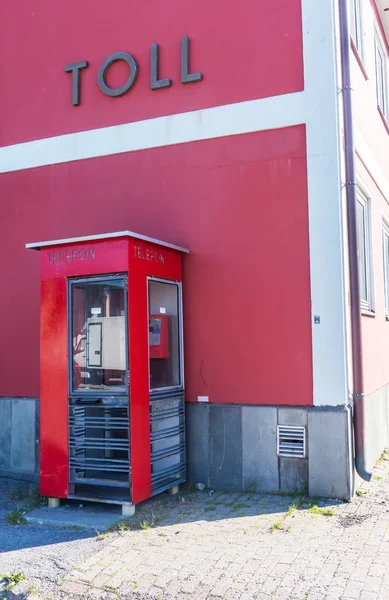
(231,119)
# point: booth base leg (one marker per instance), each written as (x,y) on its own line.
(174,490)
(54,502)
(128,511)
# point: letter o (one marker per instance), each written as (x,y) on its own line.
(130,60)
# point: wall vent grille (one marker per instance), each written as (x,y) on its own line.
(291,441)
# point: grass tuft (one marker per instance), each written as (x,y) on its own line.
(238,506)
(32,590)
(121,526)
(16,517)
(292,508)
(322,510)
(277,525)
(12,579)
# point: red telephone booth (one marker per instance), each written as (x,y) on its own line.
(111,368)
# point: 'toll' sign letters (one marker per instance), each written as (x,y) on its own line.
(155,83)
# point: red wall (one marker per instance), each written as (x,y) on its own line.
(239,204)
(252,50)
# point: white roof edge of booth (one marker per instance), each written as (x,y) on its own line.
(103,236)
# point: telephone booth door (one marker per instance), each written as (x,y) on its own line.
(98,418)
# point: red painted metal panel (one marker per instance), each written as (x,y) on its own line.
(252,50)
(139,388)
(154,260)
(87,258)
(54,389)
(57,264)
(145,260)
(239,204)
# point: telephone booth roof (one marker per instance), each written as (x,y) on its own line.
(105,236)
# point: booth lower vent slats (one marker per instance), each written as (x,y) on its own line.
(167,435)
(98,447)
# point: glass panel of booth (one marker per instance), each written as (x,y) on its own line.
(165,334)
(98,335)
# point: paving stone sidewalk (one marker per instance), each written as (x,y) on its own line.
(209,546)
(247,547)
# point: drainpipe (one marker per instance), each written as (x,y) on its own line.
(355,300)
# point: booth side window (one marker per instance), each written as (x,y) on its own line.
(164,334)
(98,331)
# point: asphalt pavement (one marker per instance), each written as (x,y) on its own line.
(42,554)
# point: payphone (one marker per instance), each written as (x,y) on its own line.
(111,365)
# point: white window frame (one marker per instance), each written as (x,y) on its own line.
(364,199)
(385,262)
(381,73)
(356,24)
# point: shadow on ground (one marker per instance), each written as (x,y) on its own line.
(17,498)
(189,506)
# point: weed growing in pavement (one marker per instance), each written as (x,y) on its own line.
(360,493)
(102,536)
(123,526)
(117,527)
(191,488)
(377,477)
(146,524)
(32,591)
(310,502)
(249,486)
(238,506)
(31,494)
(291,509)
(18,495)
(30,497)
(322,510)
(301,501)
(12,579)
(16,517)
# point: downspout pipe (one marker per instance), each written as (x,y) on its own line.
(355,300)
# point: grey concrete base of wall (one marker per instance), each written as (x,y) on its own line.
(235,448)
(19,452)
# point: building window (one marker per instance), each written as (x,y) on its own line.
(364,252)
(385,252)
(356,24)
(381,74)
